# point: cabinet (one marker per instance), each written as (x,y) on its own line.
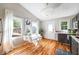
(74,47)
(63,38)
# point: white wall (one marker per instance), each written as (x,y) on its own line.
(56,23)
(25,26)
(18,11)
(47,34)
(0,13)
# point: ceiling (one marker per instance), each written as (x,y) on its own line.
(48,11)
(17,9)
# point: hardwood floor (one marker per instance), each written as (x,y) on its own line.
(1,50)
(45,47)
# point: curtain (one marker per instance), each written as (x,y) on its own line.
(7,30)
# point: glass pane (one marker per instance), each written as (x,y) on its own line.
(17,26)
(34,29)
(50,28)
(16,23)
(64,25)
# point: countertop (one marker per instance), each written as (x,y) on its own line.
(74,37)
(66,33)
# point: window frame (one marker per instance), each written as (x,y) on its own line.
(20,25)
(64,26)
(50,27)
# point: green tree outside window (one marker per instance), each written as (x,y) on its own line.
(16,23)
(64,25)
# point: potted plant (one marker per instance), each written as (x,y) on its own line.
(41,32)
(27,32)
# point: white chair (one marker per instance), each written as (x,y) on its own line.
(35,38)
(27,38)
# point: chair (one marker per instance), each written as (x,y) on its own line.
(35,38)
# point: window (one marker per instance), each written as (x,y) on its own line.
(17,26)
(64,25)
(50,28)
(34,27)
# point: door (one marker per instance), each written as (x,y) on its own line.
(51,31)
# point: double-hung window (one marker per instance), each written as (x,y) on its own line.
(64,25)
(17,26)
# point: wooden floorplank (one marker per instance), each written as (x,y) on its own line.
(46,47)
